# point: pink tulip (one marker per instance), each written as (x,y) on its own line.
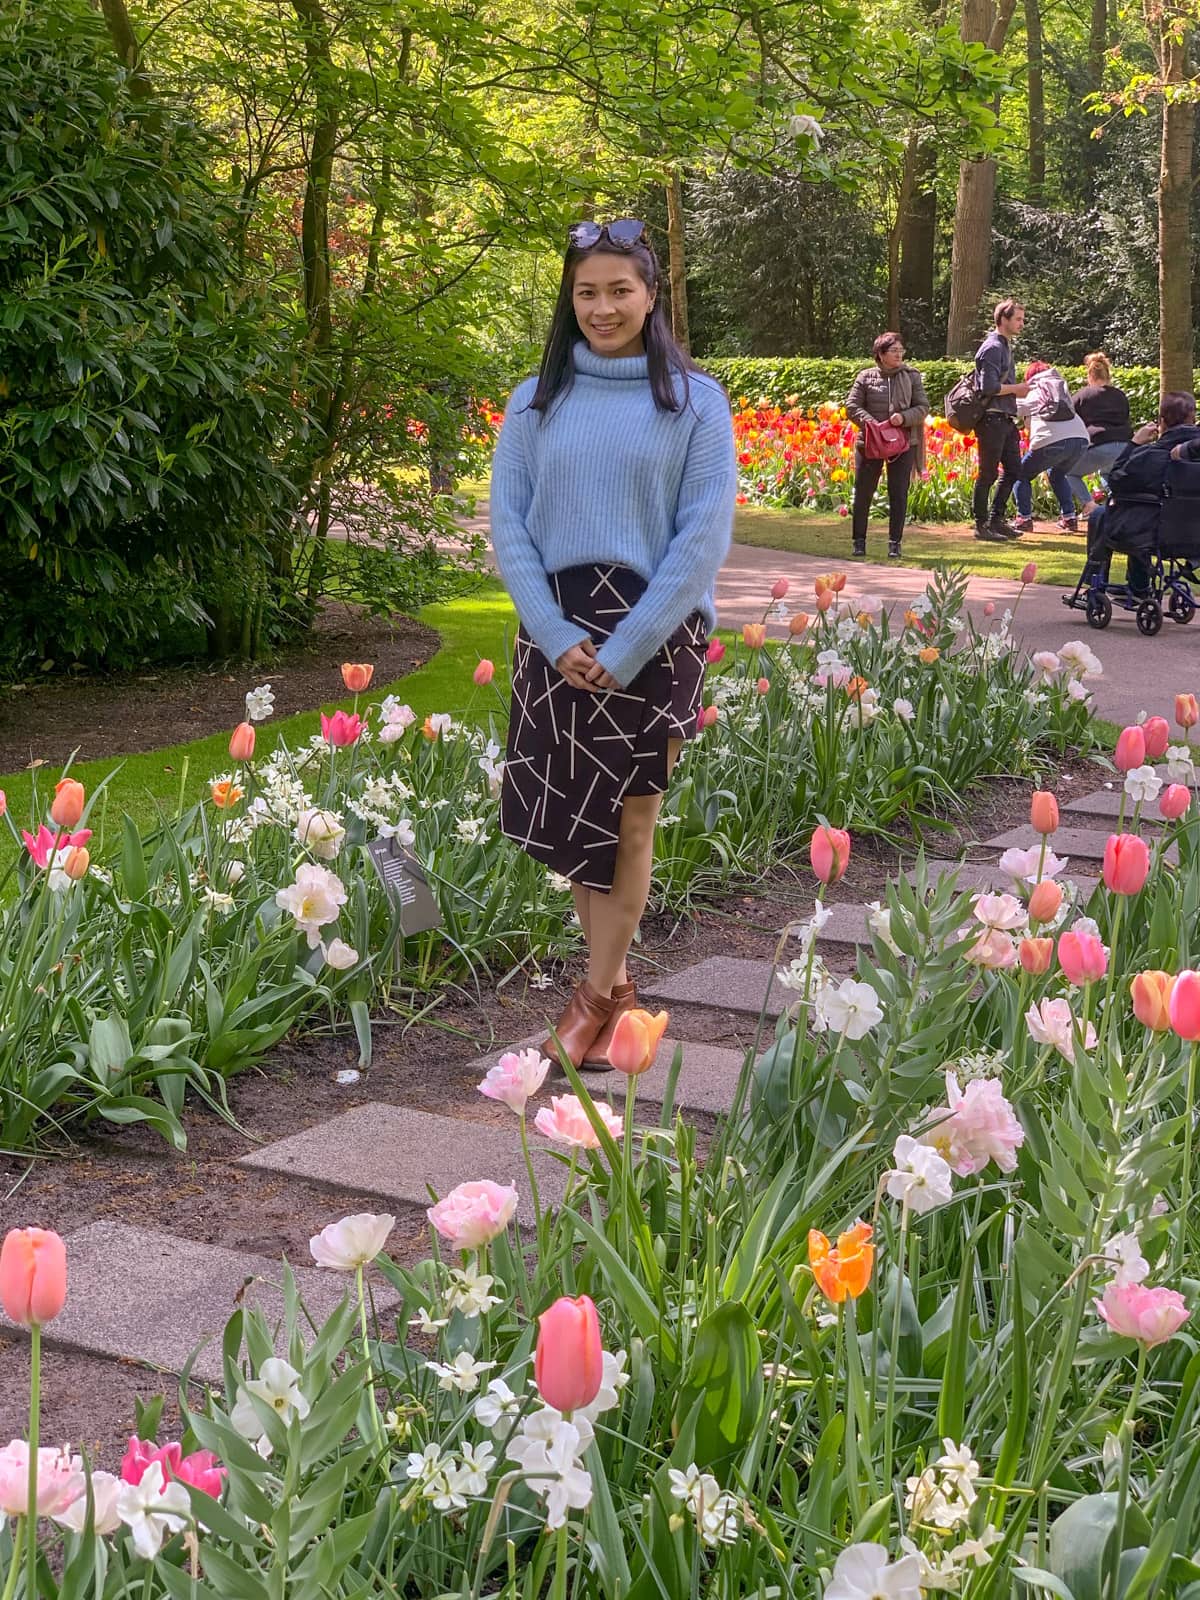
(1043,811)
(1187,712)
(763,686)
(241,743)
(1029,572)
(566,1122)
(484,673)
(341,728)
(1151,1316)
(1174,801)
(1082,957)
(1126,863)
(1045,900)
(3,802)
(715,652)
(705,717)
(1035,955)
(33,1275)
(515,1077)
(66,808)
(779,588)
(1131,749)
(60,1480)
(989,609)
(568,1364)
(474,1213)
(1157,733)
(1184,1005)
(43,846)
(201,1469)
(976,1126)
(829,853)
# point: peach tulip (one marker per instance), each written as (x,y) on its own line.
(77,863)
(705,717)
(33,1275)
(1151,995)
(1082,957)
(1174,801)
(754,635)
(1035,955)
(1184,1005)
(1045,900)
(845,1270)
(829,853)
(357,675)
(1043,811)
(241,742)
(484,673)
(69,800)
(1126,863)
(1157,733)
(1131,749)
(779,588)
(1187,712)
(715,652)
(825,599)
(568,1363)
(798,623)
(635,1041)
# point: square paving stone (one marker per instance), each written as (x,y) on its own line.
(144,1295)
(726,983)
(847,925)
(400,1155)
(1077,844)
(707,1079)
(987,874)
(1107,803)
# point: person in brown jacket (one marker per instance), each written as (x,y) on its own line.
(892,392)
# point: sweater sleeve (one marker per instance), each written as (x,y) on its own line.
(699,544)
(518,558)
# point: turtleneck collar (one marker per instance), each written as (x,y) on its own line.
(594,366)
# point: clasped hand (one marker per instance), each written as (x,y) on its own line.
(582,670)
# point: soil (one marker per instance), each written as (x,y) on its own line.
(118,714)
(132,1176)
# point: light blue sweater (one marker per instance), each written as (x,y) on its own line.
(610,478)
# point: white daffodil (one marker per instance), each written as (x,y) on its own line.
(152,1509)
(278,1386)
(438,1475)
(863,1572)
(320,832)
(463,1373)
(548,1448)
(1125,1258)
(427,1324)
(852,1009)
(471,1292)
(613,1379)
(1142,785)
(260,703)
(921,1178)
(478,1461)
(497,1407)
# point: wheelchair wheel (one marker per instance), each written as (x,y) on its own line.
(1149,618)
(1182,607)
(1098,608)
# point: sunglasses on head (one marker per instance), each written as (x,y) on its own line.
(624,233)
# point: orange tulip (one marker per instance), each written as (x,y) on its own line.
(929,655)
(1151,994)
(911,619)
(1187,712)
(1045,901)
(837,581)
(241,742)
(1035,955)
(825,599)
(857,687)
(357,675)
(821,585)
(798,623)
(1043,811)
(846,1270)
(754,635)
(69,800)
(225,794)
(77,862)
(635,1041)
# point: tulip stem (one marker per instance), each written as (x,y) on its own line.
(1185,1199)
(376,1421)
(10,1583)
(1114,934)
(35,1400)
(894,1347)
(559,1591)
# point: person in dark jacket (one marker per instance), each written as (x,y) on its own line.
(1104,409)
(1131,516)
(892,392)
(996,432)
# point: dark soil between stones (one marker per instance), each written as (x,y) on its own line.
(131,1176)
(120,714)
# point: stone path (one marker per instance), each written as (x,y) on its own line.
(146,1296)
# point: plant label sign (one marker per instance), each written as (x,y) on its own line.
(406,884)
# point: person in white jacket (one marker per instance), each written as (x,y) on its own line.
(1058,438)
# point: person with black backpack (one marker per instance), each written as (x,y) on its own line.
(996,431)
(1058,441)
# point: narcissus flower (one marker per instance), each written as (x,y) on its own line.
(846,1270)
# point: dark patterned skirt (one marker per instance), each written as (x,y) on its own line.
(574,754)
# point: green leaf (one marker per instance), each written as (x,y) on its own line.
(722,1386)
(1083,1542)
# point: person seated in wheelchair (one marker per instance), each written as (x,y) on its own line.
(1130,520)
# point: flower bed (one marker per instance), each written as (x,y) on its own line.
(921,1318)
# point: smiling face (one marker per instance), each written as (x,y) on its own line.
(611,301)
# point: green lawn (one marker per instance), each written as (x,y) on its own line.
(479,624)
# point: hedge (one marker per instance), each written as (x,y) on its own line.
(806,381)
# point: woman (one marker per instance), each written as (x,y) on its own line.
(612,502)
(1105,412)
(1057,441)
(887,392)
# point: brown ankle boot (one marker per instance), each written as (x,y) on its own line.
(585,1014)
(596,1058)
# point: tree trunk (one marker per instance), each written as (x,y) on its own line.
(1036,99)
(1175,344)
(983,22)
(129,52)
(678,261)
(1097,43)
(918,229)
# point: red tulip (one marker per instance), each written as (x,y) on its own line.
(1184,1005)
(1043,811)
(1045,901)
(1131,749)
(568,1363)
(779,588)
(357,675)
(1157,732)
(1174,801)
(69,800)
(1082,957)
(33,1275)
(829,853)
(241,742)
(1126,863)
(1035,955)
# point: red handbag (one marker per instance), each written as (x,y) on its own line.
(884,441)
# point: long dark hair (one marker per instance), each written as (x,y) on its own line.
(664,358)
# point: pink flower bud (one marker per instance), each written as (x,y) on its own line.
(715,652)
(705,717)
(989,608)
(1082,957)
(779,588)
(33,1275)
(1157,733)
(1151,1316)
(568,1364)
(1045,901)
(1184,1005)
(1029,572)
(484,673)
(829,853)
(241,742)
(1174,801)
(1131,749)
(1126,863)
